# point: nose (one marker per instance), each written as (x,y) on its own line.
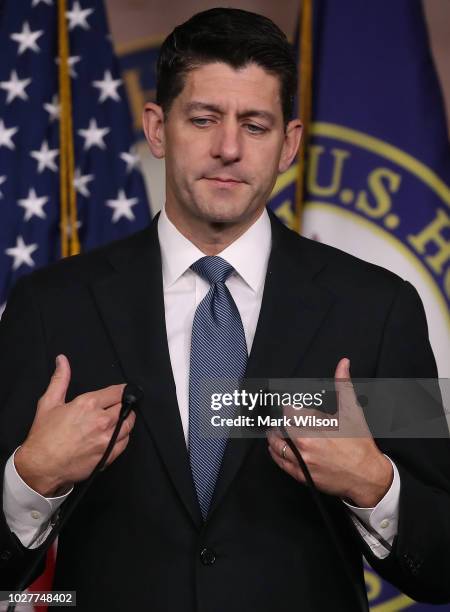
(226,143)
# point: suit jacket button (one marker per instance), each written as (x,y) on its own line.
(5,555)
(207,556)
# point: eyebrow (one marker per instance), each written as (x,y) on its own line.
(214,108)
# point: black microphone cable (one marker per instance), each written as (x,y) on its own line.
(131,395)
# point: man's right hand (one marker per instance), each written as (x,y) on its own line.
(67,440)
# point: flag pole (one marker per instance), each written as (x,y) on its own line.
(69,230)
(305,52)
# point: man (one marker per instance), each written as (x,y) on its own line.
(176,522)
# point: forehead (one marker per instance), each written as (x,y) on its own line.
(224,86)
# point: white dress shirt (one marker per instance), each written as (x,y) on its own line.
(28,513)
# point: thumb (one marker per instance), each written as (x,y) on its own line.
(352,422)
(342,371)
(343,384)
(59,382)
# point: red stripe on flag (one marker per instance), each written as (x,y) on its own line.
(45,580)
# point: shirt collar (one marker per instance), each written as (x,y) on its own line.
(248,255)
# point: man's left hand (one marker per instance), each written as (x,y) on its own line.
(352,468)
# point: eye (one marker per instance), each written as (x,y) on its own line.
(253,128)
(201,121)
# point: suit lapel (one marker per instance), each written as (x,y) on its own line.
(292,310)
(293,306)
(131,304)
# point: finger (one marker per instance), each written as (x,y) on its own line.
(352,421)
(281,449)
(106,397)
(289,468)
(111,415)
(275,440)
(277,443)
(59,382)
(274,434)
(343,384)
(126,427)
(342,371)
(117,450)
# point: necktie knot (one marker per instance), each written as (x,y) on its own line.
(212,268)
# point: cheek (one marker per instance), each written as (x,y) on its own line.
(177,162)
(265,155)
(267,169)
(188,161)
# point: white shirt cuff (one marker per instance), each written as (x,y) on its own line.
(27,512)
(383,518)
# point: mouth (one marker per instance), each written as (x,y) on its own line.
(223,181)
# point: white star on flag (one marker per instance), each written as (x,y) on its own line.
(47,2)
(2,180)
(94,135)
(108,87)
(45,158)
(15,87)
(21,253)
(53,108)
(33,205)
(122,206)
(131,159)
(6,135)
(80,183)
(71,61)
(27,39)
(78,16)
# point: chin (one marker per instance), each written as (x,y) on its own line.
(225,211)
(225,216)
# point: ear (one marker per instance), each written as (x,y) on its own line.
(292,138)
(153,124)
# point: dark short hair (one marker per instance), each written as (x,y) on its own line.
(232,36)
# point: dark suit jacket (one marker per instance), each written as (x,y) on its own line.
(137,540)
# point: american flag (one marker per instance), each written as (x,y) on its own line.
(110,192)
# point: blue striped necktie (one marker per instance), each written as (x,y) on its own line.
(218,350)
